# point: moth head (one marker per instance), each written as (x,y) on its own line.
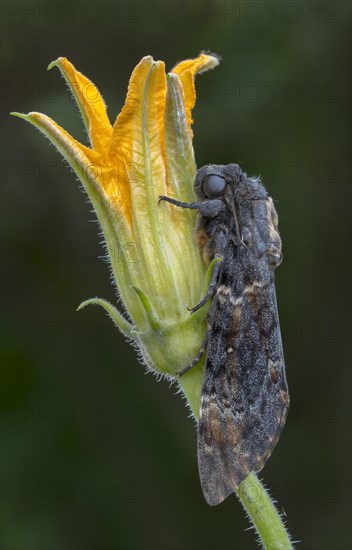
(215,180)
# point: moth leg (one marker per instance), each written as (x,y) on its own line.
(220,243)
(198,356)
(211,288)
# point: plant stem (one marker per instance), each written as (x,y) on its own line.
(263,514)
(254,497)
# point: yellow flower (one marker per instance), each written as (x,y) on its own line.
(148,152)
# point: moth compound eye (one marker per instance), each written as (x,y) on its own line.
(213,185)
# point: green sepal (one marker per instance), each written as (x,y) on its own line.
(152,315)
(125,327)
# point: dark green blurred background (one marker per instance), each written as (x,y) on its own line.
(96,455)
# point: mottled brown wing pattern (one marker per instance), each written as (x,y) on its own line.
(244,396)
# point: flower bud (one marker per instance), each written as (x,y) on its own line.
(155,261)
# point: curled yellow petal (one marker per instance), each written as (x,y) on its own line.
(126,127)
(136,151)
(186,71)
(74,152)
(90,103)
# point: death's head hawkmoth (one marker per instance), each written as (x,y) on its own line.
(245,399)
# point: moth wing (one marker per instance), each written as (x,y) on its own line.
(244,396)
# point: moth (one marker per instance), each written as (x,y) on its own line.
(244,400)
